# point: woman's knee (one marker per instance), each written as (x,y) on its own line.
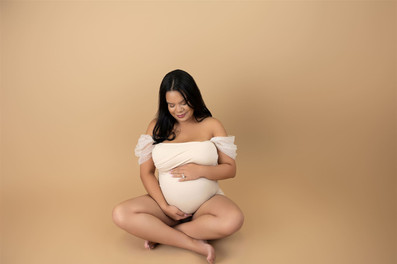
(232,222)
(119,215)
(123,212)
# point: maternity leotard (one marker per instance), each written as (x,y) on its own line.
(188,195)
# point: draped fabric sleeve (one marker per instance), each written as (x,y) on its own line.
(144,148)
(226,145)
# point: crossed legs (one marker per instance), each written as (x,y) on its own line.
(216,218)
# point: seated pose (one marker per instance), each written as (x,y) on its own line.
(191,150)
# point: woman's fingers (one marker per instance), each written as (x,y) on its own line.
(185,172)
(183,215)
(180,175)
(177,214)
(176,172)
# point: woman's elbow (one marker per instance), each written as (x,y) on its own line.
(233,172)
(146,175)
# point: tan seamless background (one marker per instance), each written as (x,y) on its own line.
(307,88)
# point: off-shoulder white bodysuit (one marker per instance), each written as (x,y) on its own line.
(188,196)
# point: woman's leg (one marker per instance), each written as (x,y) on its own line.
(143,218)
(216,218)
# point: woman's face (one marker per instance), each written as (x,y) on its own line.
(178,107)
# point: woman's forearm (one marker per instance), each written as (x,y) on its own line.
(217,172)
(152,186)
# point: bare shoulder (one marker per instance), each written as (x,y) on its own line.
(215,126)
(150,127)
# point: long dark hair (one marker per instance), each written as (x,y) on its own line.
(183,82)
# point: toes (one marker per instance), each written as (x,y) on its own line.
(150,245)
(147,246)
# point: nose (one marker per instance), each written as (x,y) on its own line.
(179,109)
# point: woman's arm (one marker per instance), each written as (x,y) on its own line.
(225,169)
(150,182)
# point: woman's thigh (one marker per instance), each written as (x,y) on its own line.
(223,207)
(141,204)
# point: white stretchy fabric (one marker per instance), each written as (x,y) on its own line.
(188,196)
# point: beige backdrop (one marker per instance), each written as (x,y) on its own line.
(307,88)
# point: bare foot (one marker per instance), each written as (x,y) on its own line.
(150,245)
(209,251)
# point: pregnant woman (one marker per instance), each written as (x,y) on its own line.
(191,150)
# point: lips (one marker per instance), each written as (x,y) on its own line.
(181,116)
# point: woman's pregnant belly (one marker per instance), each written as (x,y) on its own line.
(188,196)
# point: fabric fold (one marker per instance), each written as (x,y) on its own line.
(226,145)
(144,148)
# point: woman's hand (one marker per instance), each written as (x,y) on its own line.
(174,213)
(187,172)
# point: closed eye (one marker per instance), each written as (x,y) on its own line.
(181,103)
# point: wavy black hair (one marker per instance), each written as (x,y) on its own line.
(183,82)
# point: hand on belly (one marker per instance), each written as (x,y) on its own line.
(188,195)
